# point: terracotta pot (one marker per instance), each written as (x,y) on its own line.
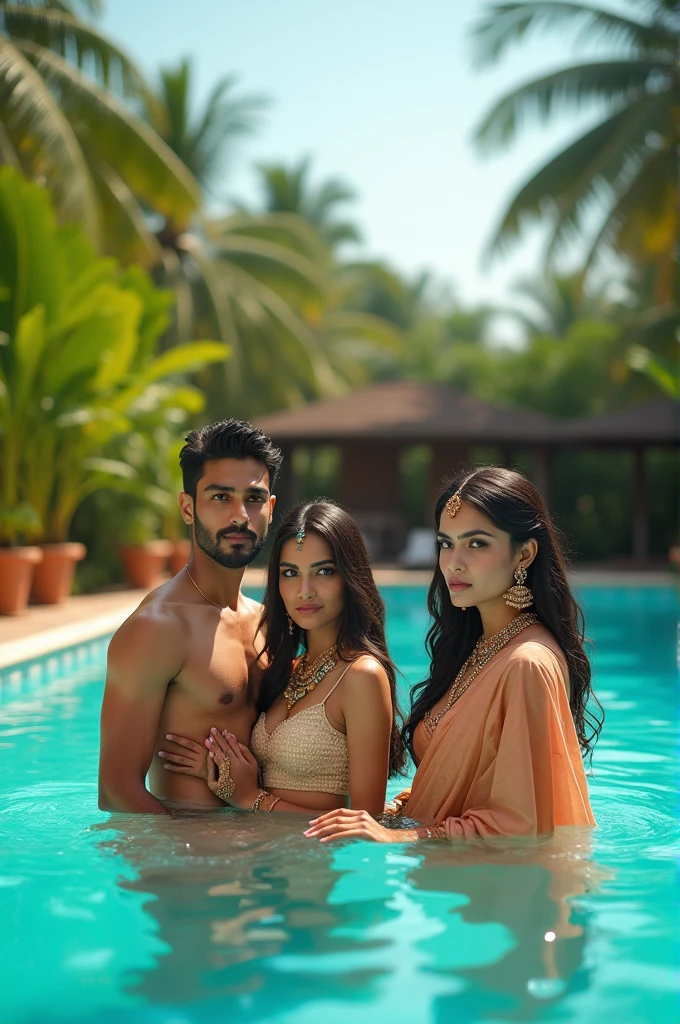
(53,576)
(144,564)
(181,553)
(16,572)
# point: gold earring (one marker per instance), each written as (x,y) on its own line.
(519,596)
(291,625)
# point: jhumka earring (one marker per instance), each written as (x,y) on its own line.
(291,625)
(519,596)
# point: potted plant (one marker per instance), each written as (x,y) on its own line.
(53,575)
(144,557)
(154,453)
(17,562)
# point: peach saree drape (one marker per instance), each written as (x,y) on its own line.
(505,759)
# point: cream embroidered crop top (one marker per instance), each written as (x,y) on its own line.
(304,752)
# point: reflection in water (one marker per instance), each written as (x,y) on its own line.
(261,920)
(533,890)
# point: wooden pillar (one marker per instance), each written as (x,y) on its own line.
(640,531)
(541,459)
(369,476)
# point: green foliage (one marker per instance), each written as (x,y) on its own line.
(78,367)
(662,373)
(69,100)
(288,190)
(627,165)
(202,143)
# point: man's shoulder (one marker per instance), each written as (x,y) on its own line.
(158,620)
(251,608)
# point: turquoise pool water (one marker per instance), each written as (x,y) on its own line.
(235,918)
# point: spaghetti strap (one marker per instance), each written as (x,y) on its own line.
(342,676)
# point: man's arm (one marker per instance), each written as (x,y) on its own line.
(144,656)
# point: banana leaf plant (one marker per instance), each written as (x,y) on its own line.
(78,364)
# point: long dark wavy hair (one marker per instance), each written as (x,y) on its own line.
(513,505)
(362,629)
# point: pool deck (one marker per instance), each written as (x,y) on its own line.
(43,629)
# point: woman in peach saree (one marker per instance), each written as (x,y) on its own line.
(499,729)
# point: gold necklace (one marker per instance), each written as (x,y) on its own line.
(204,596)
(303,680)
(482,653)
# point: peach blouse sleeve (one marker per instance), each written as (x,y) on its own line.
(513,792)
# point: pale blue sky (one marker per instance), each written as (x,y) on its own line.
(382,93)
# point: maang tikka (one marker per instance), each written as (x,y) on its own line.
(519,596)
(300,536)
(452,506)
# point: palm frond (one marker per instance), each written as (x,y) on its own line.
(294,327)
(125,229)
(286,229)
(73,39)
(283,260)
(615,82)
(218,293)
(8,154)
(505,24)
(43,139)
(610,170)
(541,195)
(148,166)
(365,327)
(202,144)
(641,202)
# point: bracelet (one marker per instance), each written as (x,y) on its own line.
(435,832)
(259,805)
(258,799)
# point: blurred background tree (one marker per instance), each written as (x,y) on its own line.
(144,170)
(627,165)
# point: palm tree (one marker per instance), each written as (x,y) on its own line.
(287,189)
(627,165)
(354,338)
(202,143)
(553,303)
(68,102)
(242,278)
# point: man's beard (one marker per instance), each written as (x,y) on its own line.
(210,545)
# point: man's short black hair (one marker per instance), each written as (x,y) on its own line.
(228,439)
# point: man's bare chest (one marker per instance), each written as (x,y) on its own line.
(217,670)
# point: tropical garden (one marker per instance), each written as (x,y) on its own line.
(130,310)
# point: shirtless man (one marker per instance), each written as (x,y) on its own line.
(183,661)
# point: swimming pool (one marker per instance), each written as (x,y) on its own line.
(233,917)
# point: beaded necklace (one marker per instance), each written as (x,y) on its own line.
(303,679)
(482,653)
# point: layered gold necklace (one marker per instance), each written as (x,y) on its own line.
(482,653)
(305,678)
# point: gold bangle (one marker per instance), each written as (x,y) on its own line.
(258,799)
(273,804)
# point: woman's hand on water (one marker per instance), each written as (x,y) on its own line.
(193,759)
(347,824)
(244,769)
